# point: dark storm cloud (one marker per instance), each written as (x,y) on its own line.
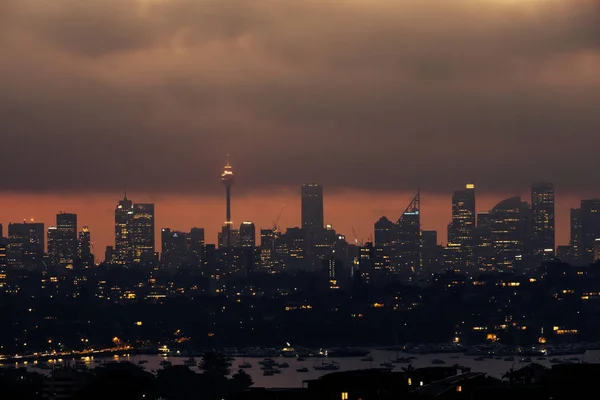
(377,95)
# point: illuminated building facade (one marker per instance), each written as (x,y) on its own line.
(123,216)
(542,218)
(312,206)
(141,233)
(509,222)
(25,244)
(66,239)
(461,229)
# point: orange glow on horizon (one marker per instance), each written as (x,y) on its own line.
(344,211)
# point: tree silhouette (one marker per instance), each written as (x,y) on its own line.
(240,381)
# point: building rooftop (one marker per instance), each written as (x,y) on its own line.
(437,388)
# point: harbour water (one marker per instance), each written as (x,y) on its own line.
(290,378)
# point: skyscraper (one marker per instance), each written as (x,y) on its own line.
(174,248)
(123,216)
(195,244)
(590,228)
(85,247)
(542,213)
(25,244)
(66,238)
(141,231)
(575,240)
(247,234)
(461,229)
(407,243)
(227,178)
(509,221)
(312,206)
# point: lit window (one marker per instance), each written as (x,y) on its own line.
(344,395)
(459,388)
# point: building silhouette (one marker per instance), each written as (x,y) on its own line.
(590,228)
(312,206)
(247,234)
(84,251)
(542,221)
(123,215)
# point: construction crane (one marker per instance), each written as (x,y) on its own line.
(276,221)
(355,238)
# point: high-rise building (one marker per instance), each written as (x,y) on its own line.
(123,216)
(66,238)
(52,243)
(3,252)
(384,232)
(247,234)
(195,243)
(509,221)
(141,232)
(430,251)
(575,239)
(25,244)
(542,215)
(312,206)
(407,245)
(85,247)
(461,229)
(174,248)
(484,250)
(227,178)
(590,228)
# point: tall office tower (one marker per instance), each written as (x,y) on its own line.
(461,229)
(85,247)
(227,178)
(575,240)
(195,244)
(52,243)
(141,231)
(123,216)
(542,214)
(3,252)
(484,250)
(407,246)
(384,232)
(312,206)
(247,234)
(590,228)
(25,244)
(430,251)
(174,248)
(1,231)
(510,233)
(267,247)
(66,238)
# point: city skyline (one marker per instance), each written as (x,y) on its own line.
(342,211)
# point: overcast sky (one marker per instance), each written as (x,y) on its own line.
(355,94)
